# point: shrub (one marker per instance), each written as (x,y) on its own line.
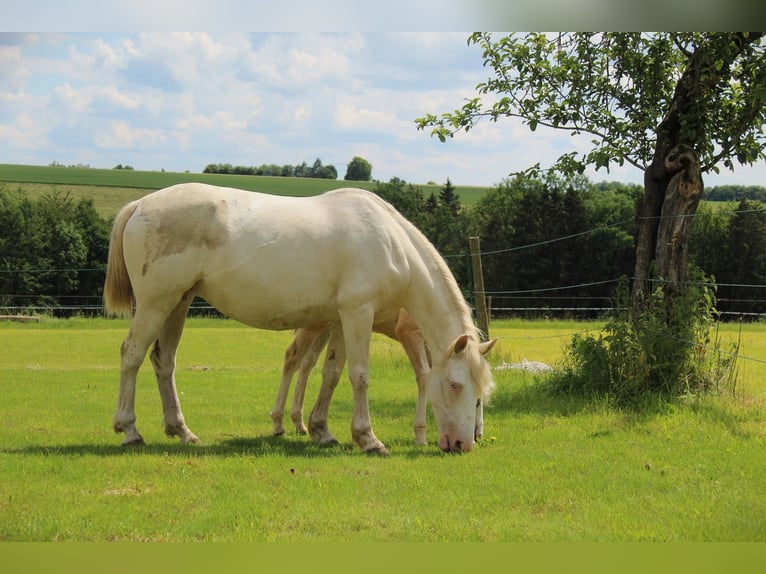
(669,350)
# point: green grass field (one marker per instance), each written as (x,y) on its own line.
(110,189)
(548,469)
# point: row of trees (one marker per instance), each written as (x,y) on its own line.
(52,251)
(547,244)
(359,169)
(557,243)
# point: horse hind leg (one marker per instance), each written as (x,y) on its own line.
(143,330)
(163,357)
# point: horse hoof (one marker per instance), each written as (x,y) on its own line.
(377,450)
(134,442)
(328,442)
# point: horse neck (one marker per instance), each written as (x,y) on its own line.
(440,310)
(435,300)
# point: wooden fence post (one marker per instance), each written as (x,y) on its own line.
(482,316)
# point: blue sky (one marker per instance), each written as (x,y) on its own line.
(179,101)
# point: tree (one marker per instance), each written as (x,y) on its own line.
(49,250)
(449,198)
(517,223)
(674,105)
(407,200)
(359,169)
(323,171)
(745,267)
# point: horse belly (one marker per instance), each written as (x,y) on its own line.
(295,295)
(267,306)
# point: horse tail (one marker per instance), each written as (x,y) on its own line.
(118,292)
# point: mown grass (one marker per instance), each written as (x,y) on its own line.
(110,189)
(549,468)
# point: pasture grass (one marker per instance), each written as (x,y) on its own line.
(550,468)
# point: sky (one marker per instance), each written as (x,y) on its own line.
(179,101)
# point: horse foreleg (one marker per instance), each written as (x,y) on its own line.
(304,371)
(415,347)
(305,340)
(293,355)
(335,358)
(478,430)
(163,357)
(357,331)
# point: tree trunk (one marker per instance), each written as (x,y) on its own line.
(670,201)
(681,200)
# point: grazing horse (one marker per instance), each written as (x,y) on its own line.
(344,257)
(303,353)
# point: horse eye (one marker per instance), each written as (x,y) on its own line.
(457,387)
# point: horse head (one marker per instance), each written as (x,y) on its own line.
(456,386)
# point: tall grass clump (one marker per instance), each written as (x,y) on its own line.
(667,350)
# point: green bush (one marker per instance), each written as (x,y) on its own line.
(670,349)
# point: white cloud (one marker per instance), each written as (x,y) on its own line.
(349,116)
(220,120)
(26,133)
(296,63)
(120,135)
(13,74)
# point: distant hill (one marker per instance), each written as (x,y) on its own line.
(112,188)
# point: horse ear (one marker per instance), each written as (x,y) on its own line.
(485,348)
(460,344)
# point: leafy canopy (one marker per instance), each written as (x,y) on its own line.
(619,88)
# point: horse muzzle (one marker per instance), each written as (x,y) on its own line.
(453,444)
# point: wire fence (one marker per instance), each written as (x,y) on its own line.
(533,302)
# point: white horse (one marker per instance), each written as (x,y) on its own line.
(345,257)
(303,354)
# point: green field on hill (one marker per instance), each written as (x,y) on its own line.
(110,189)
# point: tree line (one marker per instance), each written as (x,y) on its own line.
(358,169)
(548,244)
(53,251)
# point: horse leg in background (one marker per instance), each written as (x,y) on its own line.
(163,357)
(304,371)
(295,355)
(143,330)
(414,346)
(335,358)
(478,430)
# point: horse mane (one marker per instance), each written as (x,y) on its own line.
(480,371)
(430,254)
